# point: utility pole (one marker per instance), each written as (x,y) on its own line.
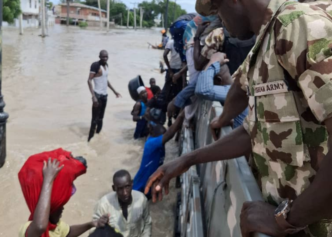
(135,18)
(108,15)
(174,11)
(100,20)
(3,115)
(128,19)
(42,7)
(121,19)
(134,3)
(67,12)
(21,23)
(162,20)
(141,16)
(166,16)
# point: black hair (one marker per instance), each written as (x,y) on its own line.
(155,89)
(120,174)
(102,51)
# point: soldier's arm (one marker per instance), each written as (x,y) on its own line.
(303,59)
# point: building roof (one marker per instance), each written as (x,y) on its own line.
(75,4)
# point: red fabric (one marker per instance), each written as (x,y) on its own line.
(31,180)
(149,92)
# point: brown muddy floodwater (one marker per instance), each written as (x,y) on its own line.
(47,97)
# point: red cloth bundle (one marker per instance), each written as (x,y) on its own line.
(31,180)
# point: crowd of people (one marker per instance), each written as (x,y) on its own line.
(269,64)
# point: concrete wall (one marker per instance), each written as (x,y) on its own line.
(83,11)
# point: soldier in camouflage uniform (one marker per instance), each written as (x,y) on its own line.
(286,80)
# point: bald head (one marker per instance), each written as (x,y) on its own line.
(103,55)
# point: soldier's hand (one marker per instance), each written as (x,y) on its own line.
(159,180)
(259,217)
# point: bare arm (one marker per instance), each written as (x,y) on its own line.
(234,145)
(176,126)
(91,76)
(114,91)
(199,60)
(166,52)
(42,213)
(136,112)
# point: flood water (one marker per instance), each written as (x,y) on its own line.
(47,97)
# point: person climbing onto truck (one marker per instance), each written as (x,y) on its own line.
(99,75)
(154,148)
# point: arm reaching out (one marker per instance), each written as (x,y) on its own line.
(42,213)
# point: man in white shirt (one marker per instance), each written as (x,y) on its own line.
(99,75)
(128,209)
(174,65)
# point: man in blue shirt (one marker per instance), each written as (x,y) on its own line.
(154,148)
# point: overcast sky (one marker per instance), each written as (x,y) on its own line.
(188,5)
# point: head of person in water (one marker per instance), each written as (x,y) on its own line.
(103,55)
(152,82)
(155,90)
(143,95)
(155,126)
(123,185)
(163,32)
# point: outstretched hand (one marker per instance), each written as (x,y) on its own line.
(159,180)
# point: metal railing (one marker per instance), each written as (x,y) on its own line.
(212,194)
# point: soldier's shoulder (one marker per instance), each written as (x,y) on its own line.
(293,11)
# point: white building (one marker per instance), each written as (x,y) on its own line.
(30,11)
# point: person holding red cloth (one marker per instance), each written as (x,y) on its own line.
(47,184)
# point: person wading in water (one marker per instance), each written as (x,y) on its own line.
(99,75)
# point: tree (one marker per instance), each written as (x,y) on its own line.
(11,10)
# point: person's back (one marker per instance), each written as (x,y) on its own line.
(153,157)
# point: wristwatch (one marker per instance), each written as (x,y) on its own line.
(197,38)
(281,218)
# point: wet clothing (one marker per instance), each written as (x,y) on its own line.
(31,181)
(137,224)
(141,125)
(287,76)
(153,157)
(101,78)
(62,230)
(98,115)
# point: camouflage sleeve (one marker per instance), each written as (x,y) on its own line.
(213,43)
(304,50)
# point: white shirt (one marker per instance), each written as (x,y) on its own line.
(101,81)
(175,61)
(138,223)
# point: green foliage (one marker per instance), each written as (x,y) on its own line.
(11,10)
(152,10)
(82,24)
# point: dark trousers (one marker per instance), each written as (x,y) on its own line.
(170,90)
(98,115)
